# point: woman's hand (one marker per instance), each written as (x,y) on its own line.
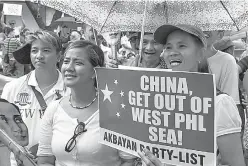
(148,159)
(20,157)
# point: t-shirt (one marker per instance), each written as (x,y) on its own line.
(58,127)
(224,66)
(19,92)
(11,45)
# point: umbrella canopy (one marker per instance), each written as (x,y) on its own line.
(120,15)
(68,21)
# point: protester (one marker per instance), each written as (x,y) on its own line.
(64,36)
(34,91)
(73,121)
(224,66)
(10,66)
(90,34)
(225,45)
(23,35)
(74,36)
(150,57)
(184,47)
(12,24)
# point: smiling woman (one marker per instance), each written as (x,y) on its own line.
(34,91)
(182,54)
(77,145)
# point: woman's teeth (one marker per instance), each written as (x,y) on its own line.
(175,63)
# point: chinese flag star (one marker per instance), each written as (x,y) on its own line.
(107,93)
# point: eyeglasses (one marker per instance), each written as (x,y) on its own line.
(80,128)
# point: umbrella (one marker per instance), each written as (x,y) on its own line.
(68,21)
(120,15)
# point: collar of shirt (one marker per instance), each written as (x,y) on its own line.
(58,86)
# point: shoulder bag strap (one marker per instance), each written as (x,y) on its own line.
(38,95)
(40,98)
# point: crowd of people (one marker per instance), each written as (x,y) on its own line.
(54,95)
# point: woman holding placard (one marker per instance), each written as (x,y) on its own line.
(184,47)
(70,130)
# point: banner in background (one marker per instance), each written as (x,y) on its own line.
(12,9)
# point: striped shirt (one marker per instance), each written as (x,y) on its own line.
(11,45)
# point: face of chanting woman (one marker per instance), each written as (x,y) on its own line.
(11,122)
(183,52)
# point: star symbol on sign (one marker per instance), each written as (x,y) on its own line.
(116,82)
(123,105)
(122,93)
(118,114)
(107,93)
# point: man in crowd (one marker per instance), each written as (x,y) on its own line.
(90,34)
(150,54)
(11,44)
(224,66)
(12,24)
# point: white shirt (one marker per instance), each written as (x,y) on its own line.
(227,117)
(58,127)
(224,66)
(19,92)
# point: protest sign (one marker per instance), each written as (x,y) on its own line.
(12,9)
(170,113)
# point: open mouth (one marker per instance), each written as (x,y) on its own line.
(40,62)
(150,53)
(174,63)
(69,76)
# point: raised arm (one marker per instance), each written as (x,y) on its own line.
(2,20)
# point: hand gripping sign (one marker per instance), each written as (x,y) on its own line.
(169,113)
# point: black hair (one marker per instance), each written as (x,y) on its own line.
(8,30)
(5,101)
(95,53)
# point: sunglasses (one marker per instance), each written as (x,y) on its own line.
(80,128)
